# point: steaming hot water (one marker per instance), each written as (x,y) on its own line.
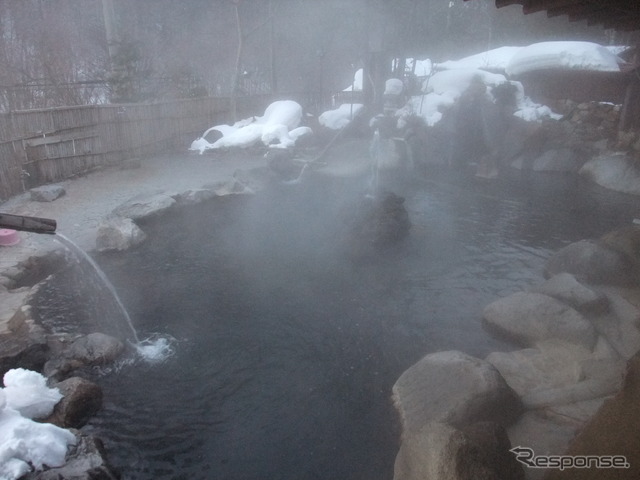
(287,345)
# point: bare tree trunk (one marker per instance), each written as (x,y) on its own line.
(272,51)
(236,73)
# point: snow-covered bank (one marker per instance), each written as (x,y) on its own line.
(25,443)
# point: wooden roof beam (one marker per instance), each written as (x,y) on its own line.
(577,10)
(534,6)
(506,3)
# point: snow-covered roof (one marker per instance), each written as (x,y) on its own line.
(491,60)
(586,56)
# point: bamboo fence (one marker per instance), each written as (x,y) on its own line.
(54,144)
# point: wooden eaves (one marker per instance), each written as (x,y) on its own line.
(617,14)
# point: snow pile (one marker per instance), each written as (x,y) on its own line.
(492,60)
(565,56)
(23,442)
(341,116)
(276,128)
(356,86)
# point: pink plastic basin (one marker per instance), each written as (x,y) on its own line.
(8,237)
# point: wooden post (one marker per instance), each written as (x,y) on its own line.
(376,66)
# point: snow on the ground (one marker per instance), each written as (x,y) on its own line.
(23,442)
(340,117)
(272,129)
(563,55)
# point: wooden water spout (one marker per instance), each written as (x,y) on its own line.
(28,224)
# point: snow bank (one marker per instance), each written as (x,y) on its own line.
(340,117)
(24,442)
(272,129)
(563,55)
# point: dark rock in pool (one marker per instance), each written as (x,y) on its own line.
(379,222)
(81,400)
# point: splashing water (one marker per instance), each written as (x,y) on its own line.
(155,348)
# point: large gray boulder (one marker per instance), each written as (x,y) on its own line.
(441,452)
(81,400)
(454,388)
(145,206)
(594,263)
(47,193)
(118,234)
(553,160)
(566,288)
(530,318)
(617,171)
(551,364)
(94,349)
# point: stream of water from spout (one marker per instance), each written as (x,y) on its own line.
(84,256)
(153,349)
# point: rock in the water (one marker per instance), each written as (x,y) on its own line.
(552,364)
(529,318)
(145,206)
(593,263)
(96,349)
(615,171)
(553,160)
(441,452)
(89,350)
(81,400)
(118,233)
(47,193)
(378,223)
(625,240)
(454,388)
(567,289)
(192,197)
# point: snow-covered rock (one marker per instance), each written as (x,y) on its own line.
(25,444)
(272,129)
(340,117)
